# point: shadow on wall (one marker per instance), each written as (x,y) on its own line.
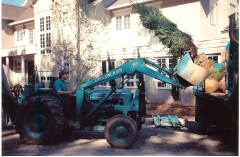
(205,6)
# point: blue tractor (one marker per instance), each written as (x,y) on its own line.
(39,119)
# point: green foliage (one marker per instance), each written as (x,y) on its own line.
(218,74)
(167,31)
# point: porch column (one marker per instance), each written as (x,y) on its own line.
(7,70)
(23,70)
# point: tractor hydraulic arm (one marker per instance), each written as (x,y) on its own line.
(138,65)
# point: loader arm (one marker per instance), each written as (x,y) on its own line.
(138,65)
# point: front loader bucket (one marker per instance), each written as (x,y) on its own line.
(191,72)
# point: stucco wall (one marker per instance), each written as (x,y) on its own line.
(7,35)
(43,62)
(186,16)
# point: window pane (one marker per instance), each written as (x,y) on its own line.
(18,35)
(127,22)
(48,40)
(212,14)
(213,58)
(130,84)
(48,23)
(119,23)
(42,43)
(42,24)
(30,36)
(162,62)
(161,84)
(113,64)
(21,35)
(171,63)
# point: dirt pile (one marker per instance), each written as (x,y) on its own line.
(175,108)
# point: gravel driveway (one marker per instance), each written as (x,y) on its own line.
(152,141)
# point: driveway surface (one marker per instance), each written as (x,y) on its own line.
(152,141)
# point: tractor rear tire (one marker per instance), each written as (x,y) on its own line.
(39,120)
(121,132)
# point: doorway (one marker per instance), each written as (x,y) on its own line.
(30,71)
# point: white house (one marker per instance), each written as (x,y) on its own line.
(123,38)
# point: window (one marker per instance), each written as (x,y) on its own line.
(45,35)
(66,63)
(166,63)
(127,22)
(215,58)
(20,35)
(48,42)
(65,19)
(46,78)
(133,81)
(31,36)
(119,23)
(105,68)
(42,43)
(48,23)
(123,24)
(212,11)
(42,24)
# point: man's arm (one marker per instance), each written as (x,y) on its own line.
(65,92)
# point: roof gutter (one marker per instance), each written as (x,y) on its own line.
(22,21)
(128,4)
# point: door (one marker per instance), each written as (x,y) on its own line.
(30,72)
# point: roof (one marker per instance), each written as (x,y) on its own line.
(16,13)
(11,12)
(29,3)
(27,13)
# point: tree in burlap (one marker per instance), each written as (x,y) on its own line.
(167,32)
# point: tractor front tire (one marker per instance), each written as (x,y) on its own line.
(121,132)
(39,120)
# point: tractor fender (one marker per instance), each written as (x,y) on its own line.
(50,94)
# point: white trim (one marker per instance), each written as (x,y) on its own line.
(20,22)
(128,4)
(8,18)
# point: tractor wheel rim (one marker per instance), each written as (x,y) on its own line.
(37,123)
(121,132)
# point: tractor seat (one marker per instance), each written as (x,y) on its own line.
(53,79)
